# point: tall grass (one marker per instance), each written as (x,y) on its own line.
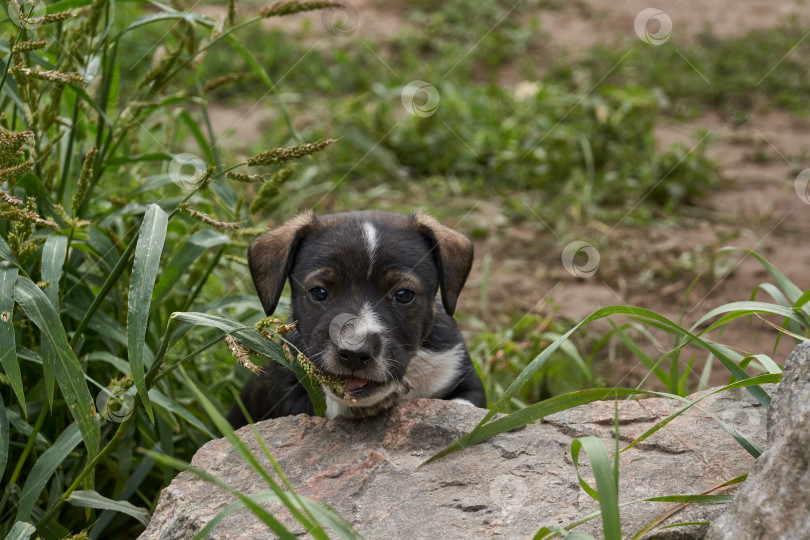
(118,211)
(789,303)
(122,237)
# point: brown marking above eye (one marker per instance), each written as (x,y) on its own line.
(320,277)
(394,280)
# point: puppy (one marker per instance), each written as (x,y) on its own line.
(364,293)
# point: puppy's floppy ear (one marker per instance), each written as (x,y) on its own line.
(270,257)
(454,256)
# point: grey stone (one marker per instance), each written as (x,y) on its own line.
(508,486)
(774,502)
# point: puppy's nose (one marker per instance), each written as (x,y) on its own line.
(354,360)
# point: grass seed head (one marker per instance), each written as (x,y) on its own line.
(208,220)
(241,354)
(336,384)
(283,155)
(50,75)
(25,46)
(288,7)
(84,178)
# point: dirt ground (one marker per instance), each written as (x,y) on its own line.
(755,205)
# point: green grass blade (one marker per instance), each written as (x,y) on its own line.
(170,16)
(43,469)
(241,448)
(773,291)
(259,344)
(606,489)
(53,257)
(4,434)
(328,516)
(644,358)
(337,524)
(21,531)
(133,483)
(267,518)
(182,260)
(8,346)
(198,135)
(563,402)
(803,300)
(759,379)
(533,413)
(792,292)
(161,400)
(5,253)
(101,323)
(260,498)
(144,271)
(735,310)
(93,499)
(639,314)
(69,373)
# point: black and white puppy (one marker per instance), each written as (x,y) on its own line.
(363,291)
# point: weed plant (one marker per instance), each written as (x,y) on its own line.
(123,231)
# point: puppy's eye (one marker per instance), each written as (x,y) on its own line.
(318,294)
(404,296)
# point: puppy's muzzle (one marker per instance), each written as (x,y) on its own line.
(357,342)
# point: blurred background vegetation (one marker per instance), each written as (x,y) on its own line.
(555,122)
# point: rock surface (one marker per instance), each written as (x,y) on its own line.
(508,486)
(774,502)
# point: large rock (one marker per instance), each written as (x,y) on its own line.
(507,486)
(774,502)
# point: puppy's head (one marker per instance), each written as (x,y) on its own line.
(363,290)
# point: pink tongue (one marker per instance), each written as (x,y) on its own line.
(355,383)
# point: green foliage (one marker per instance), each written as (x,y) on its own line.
(734,76)
(121,247)
(501,355)
(588,151)
(792,304)
(109,226)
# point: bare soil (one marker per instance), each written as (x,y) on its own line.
(755,205)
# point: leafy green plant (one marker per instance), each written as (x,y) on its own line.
(108,227)
(792,304)
(501,355)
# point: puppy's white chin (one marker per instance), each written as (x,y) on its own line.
(362,406)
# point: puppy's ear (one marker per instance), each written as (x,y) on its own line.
(454,256)
(270,257)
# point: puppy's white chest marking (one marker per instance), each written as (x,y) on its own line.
(430,372)
(372,242)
